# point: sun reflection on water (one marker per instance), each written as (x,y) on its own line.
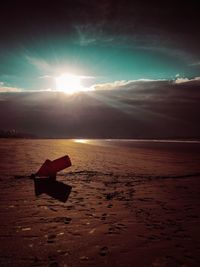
(82,141)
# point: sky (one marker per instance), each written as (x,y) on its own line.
(138,63)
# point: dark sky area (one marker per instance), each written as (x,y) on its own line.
(138,62)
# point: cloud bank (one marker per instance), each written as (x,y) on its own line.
(8,89)
(123,109)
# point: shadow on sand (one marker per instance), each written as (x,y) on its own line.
(53,188)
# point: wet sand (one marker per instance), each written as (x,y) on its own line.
(128,207)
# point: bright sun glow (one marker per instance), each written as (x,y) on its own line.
(69,83)
(82,141)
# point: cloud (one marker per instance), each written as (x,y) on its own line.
(7,89)
(39,63)
(182,80)
(186,80)
(46,77)
(131,84)
(110,86)
(195,63)
(90,34)
(142,84)
(10,89)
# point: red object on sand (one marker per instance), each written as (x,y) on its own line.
(50,168)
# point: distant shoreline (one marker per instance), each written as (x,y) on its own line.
(184,140)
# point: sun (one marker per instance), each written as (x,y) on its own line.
(69,83)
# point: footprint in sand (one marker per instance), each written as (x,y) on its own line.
(116,228)
(65,220)
(103,217)
(51,238)
(103,251)
(53,264)
(52,261)
(84,258)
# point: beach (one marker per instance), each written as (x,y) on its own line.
(131,204)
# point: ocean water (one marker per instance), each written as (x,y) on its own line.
(135,158)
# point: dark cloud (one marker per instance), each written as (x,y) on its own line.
(145,109)
(149,21)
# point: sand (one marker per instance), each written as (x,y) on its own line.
(129,206)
